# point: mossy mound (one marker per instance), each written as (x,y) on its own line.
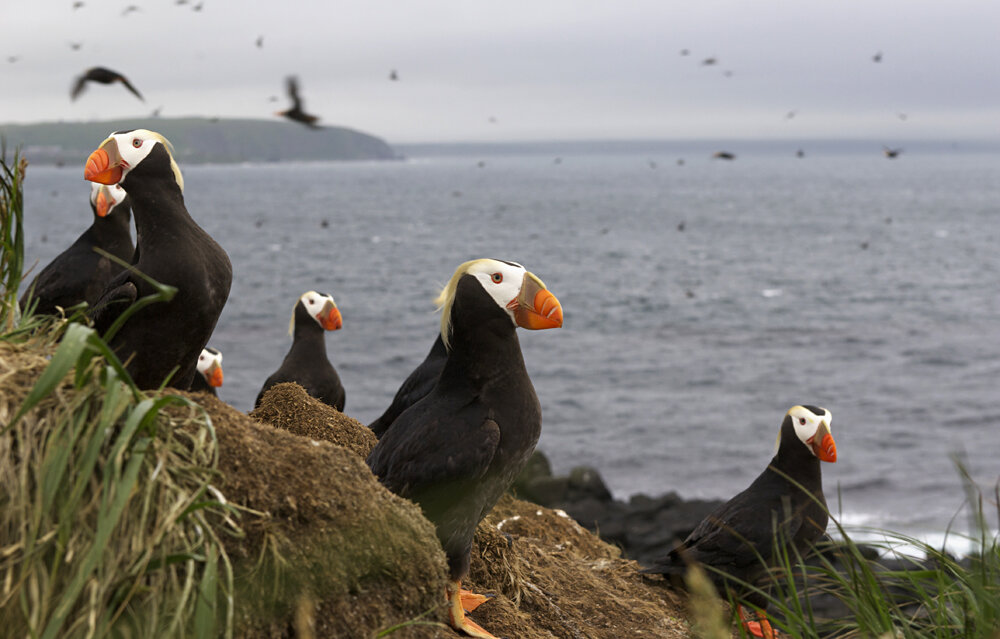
(289,407)
(325,542)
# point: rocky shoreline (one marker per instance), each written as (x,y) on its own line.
(643,527)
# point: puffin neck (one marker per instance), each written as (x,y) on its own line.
(157,203)
(793,456)
(115,225)
(483,341)
(306,328)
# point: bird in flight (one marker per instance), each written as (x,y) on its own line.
(102,75)
(296,113)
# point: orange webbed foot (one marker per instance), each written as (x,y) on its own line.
(457,600)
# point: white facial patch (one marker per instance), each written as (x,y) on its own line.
(135,146)
(806,422)
(314,303)
(117,195)
(207,358)
(502,280)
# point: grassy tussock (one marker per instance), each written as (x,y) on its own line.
(109,523)
(11,235)
(912,590)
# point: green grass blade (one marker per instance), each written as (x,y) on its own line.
(73,344)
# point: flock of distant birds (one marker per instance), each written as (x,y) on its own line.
(297,113)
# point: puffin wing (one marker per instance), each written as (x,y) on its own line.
(741,533)
(430,450)
(78,87)
(128,85)
(292,86)
(120,293)
(414,388)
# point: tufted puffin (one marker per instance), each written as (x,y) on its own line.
(102,75)
(419,383)
(79,274)
(296,114)
(162,341)
(306,362)
(209,375)
(458,449)
(739,534)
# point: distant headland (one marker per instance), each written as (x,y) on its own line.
(200,140)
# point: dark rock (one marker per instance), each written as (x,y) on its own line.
(544,491)
(644,527)
(587,483)
(538,466)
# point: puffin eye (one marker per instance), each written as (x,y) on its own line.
(497,278)
(311,301)
(802,421)
(136,142)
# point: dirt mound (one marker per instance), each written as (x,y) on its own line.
(325,542)
(556,579)
(289,407)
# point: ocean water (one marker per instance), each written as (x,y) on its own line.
(701,302)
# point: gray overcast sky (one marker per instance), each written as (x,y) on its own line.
(544,69)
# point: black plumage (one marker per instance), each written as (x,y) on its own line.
(296,113)
(307,363)
(784,507)
(459,448)
(102,75)
(171,249)
(414,388)
(80,274)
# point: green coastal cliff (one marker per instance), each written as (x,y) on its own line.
(200,140)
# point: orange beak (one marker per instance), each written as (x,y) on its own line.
(823,445)
(103,203)
(329,318)
(214,376)
(104,165)
(536,308)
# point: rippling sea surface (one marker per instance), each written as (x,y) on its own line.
(701,301)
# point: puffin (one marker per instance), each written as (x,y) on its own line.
(414,388)
(296,114)
(209,375)
(161,342)
(306,362)
(102,75)
(79,274)
(734,539)
(459,448)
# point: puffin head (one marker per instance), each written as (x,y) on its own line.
(321,308)
(105,198)
(123,151)
(518,292)
(811,425)
(210,366)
